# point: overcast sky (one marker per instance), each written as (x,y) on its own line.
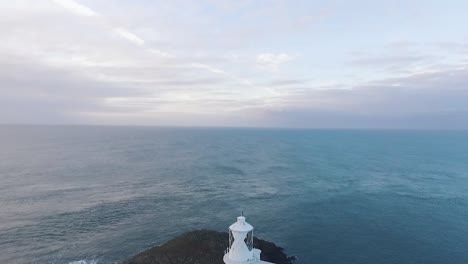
(319,64)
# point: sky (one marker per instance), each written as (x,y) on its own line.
(246,63)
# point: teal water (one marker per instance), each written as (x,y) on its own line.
(82,194)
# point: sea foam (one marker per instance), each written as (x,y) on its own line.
(84,261)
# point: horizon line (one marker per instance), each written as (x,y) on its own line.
(236,127)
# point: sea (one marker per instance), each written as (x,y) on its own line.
(100,194)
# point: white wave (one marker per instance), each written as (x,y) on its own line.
(84,261)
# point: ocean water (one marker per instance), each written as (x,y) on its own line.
(77,194)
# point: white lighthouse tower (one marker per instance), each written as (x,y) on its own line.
(241,250)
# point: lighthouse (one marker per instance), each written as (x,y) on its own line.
(241,250)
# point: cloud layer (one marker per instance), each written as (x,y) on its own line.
(227,64)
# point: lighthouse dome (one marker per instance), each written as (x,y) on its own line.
(241,225)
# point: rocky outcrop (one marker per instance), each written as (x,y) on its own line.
(203,247)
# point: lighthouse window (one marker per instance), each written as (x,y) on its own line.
(231,238)
(249,240)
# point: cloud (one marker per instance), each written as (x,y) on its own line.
(404,57)
(390,60)
(130,37)
(138,41)
(207,67)
(64,62)
(272,61)
(32,93)
(426,100)
(82,10)
(160,53)
(76,8)
(287,82)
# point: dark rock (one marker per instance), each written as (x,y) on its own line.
(203,247)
